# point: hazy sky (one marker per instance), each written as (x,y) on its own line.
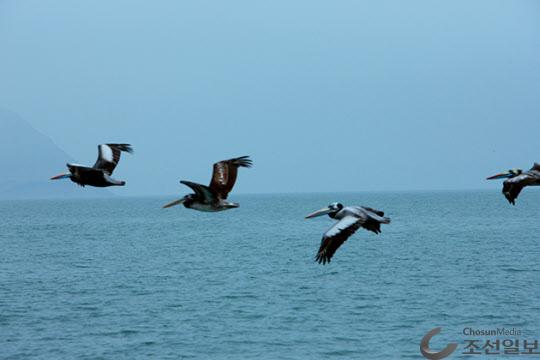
(324,95)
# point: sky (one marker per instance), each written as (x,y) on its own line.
(326,96)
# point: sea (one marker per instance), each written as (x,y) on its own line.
(122,278)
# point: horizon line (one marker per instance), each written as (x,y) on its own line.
(120,196)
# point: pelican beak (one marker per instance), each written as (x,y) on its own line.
(61,176)
(175,202)
(503,175)
(320,212)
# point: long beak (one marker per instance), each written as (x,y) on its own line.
(175,202)
(503,175)
(61,176)
(320,212)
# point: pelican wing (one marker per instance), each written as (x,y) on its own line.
(513,186)
(336,236)
(372,210)
(536,167)
(109,156)
(373,219)
(84,172)
(205,193)
(224,174)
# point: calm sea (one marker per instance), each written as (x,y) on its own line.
(125,279)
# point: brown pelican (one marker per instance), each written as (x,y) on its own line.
(351,218)
(214,197)
(98,175)
(517,179)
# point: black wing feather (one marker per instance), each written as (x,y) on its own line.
(108,165)
(511,190)
(205,193)
(329,244)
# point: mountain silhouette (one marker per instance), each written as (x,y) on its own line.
(28,159)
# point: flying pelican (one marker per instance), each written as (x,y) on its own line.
(98,175)
(214,197)
(351,218)
(517,179)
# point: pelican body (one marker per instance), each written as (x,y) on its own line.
(213,198)
(98,175)
(350,219)
(516,180)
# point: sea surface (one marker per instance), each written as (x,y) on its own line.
(124,279)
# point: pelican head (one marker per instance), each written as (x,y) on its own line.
(330,210)
(506,175)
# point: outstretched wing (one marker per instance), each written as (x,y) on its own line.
(84,173)
(512,187)
(335,236)
(109,156)
(373,219)
(372,210)
(204,193)
(224,175)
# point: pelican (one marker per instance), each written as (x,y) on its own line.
(98,175)
(517,179)
(213,198)
(351,218)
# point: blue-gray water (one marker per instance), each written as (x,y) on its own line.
(125,279)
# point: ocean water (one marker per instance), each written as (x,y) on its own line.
(124,279)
